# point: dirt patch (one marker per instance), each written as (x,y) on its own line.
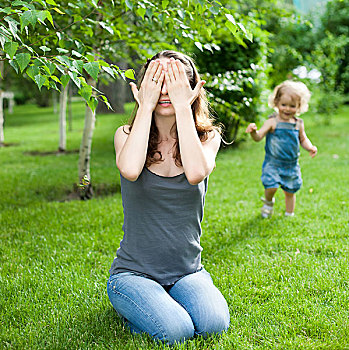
(8,144)
(99,191)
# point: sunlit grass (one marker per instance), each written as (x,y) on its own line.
(285,279)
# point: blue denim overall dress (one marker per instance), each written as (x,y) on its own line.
(280,166)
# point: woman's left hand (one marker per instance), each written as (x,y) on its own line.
(179,90)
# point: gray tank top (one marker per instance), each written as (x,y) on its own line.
(162,227)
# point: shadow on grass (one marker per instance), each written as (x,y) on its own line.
(99,191)
(50,153)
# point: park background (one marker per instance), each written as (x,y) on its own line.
(285,280)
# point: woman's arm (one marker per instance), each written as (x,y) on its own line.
(258,135)
(131,146)
(305,142)
(198,158)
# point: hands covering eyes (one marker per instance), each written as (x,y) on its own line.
(166,78)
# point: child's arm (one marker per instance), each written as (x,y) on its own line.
(305,142)
(258,135)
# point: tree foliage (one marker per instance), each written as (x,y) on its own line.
(54,42)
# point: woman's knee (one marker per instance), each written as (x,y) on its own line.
(215,322)
(178,331)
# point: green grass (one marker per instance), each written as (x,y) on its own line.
(285,279)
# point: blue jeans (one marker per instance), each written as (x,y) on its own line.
(192,306)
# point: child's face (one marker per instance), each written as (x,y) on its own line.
(287,106)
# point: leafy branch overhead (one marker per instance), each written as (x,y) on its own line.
(54,42)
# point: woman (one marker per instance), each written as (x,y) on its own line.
(157,283)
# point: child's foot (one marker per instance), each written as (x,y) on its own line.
(267,209)
(288,214)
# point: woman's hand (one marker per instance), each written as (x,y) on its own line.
(148,94)
(179,90)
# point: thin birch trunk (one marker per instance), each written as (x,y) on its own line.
(63,119)
(70,109)
(2,139)
(86,191)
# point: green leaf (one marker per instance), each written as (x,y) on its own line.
(53,77)
(130,74)
(23,60)
(105,100)
(60,50)
(90,57)
(19,3)
(28,17)
(42,16)
(65,79)
(230,18)
(231,27)
(76,54)
(12,24)
(92,68)
(208,47)
(44,48)
(32,71)
(249,36)
(86,92)
(40,80)
(214,10)
(241,26)
(92,103)
(10,48)
(74,78)
(141,12)
(129,4)
(58,11)
(51,67)
(94,3)
(78,64)
(53,85)
(109,71)
(14,65)
(64,60)
(164,4)
(106,27)
(198,45)
(51,2)
(49,17)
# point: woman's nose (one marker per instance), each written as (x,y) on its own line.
(164,88)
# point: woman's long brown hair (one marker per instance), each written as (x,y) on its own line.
(202,118)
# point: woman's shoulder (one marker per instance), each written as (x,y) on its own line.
(121,134)
(122,130)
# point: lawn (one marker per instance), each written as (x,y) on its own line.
(285,279)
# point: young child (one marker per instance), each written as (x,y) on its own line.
(284,132)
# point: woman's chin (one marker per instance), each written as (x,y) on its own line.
(165,110)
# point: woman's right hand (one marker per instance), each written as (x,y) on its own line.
(251,127)
(148,94)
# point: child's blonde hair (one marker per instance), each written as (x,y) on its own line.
(296,89)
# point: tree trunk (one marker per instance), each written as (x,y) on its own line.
(2,139)
(86,191)
(62,119)
(70,110)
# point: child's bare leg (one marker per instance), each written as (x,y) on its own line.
(290,202)
(269,193)
(267,209)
